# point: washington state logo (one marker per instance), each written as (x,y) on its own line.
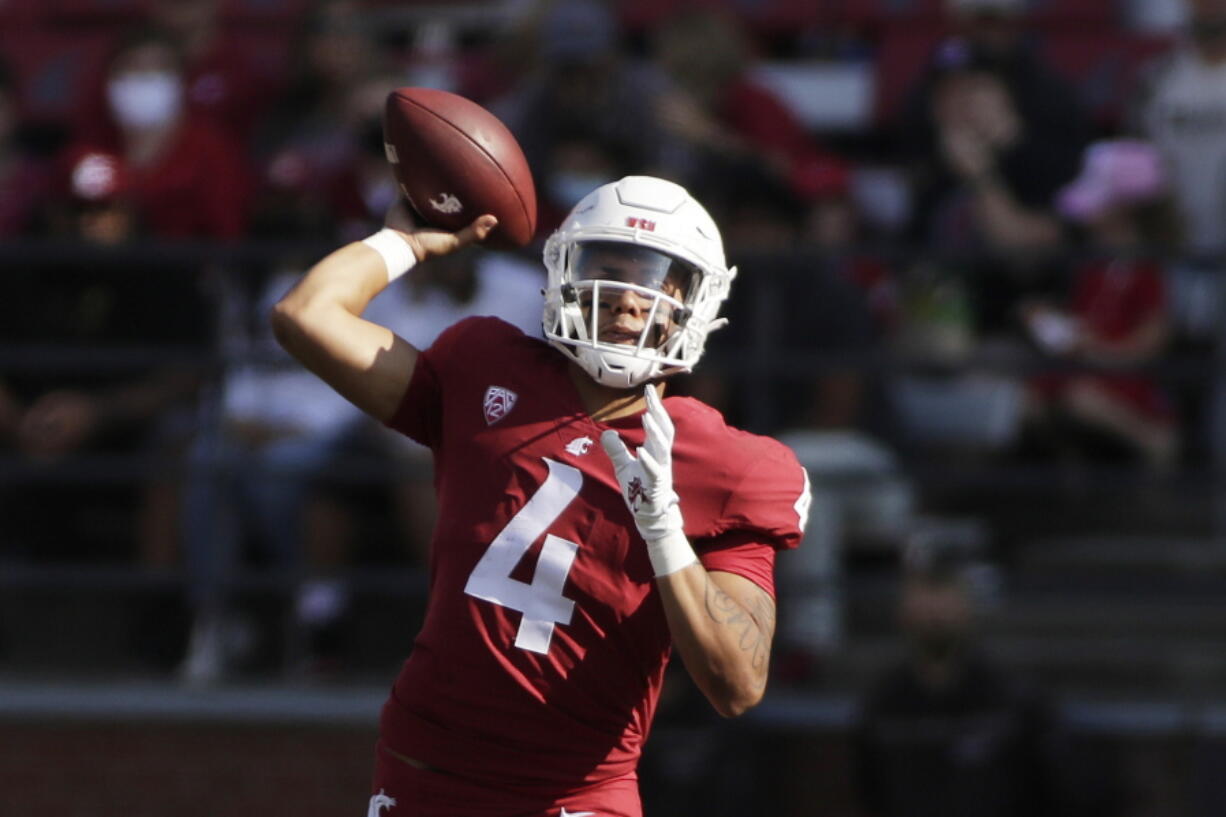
(498,403)
(579,446)
(636,493)
(379,802)
(446,203)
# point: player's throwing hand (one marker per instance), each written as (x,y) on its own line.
(646,479)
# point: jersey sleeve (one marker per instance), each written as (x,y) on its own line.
(771,500)
(741,553)
(765,512)
(420,413)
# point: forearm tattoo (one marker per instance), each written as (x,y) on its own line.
(753,622)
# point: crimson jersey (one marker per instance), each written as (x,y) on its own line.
(544,644)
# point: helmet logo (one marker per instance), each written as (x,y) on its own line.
(447,203)
(641,223)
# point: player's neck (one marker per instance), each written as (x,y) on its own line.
(604,403)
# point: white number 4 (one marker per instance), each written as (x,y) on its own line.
(541,600)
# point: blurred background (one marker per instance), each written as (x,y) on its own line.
(981,246)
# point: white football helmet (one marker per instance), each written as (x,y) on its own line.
(648,237)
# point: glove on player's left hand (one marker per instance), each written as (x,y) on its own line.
(646,479)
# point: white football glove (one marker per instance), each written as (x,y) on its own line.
(646,479)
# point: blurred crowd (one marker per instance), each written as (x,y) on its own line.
(1019,207)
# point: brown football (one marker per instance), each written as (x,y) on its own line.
(455,160)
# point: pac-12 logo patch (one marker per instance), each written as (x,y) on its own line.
(498,403)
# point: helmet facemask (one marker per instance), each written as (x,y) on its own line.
(643,242)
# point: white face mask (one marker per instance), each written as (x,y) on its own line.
(145,99)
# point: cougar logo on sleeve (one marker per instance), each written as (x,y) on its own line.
(498,403)
(447,203)
(378,802)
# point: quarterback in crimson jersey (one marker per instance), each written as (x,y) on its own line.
(586,527)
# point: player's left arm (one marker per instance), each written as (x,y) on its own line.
(722,624)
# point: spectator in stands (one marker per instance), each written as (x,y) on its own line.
(583,81)
(992,135)
(846,297)
(131,408)
(24,181)
(223,80)
(726,121)
(579,161)
(996,38)
(1183,112)
(322,167)
(1115,315)
(258,482)
(947,731)
(361,196)
(186,177)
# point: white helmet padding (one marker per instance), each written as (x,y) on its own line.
(678,242)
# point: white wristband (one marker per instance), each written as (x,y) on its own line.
(396,253)
(670,553)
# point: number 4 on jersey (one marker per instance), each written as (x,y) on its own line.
(541,600)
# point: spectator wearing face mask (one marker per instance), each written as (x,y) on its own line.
(580,161)
(187,178)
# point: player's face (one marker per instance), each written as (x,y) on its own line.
(622,312)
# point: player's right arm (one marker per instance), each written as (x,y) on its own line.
(319,321)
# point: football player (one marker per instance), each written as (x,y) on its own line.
(587,526)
